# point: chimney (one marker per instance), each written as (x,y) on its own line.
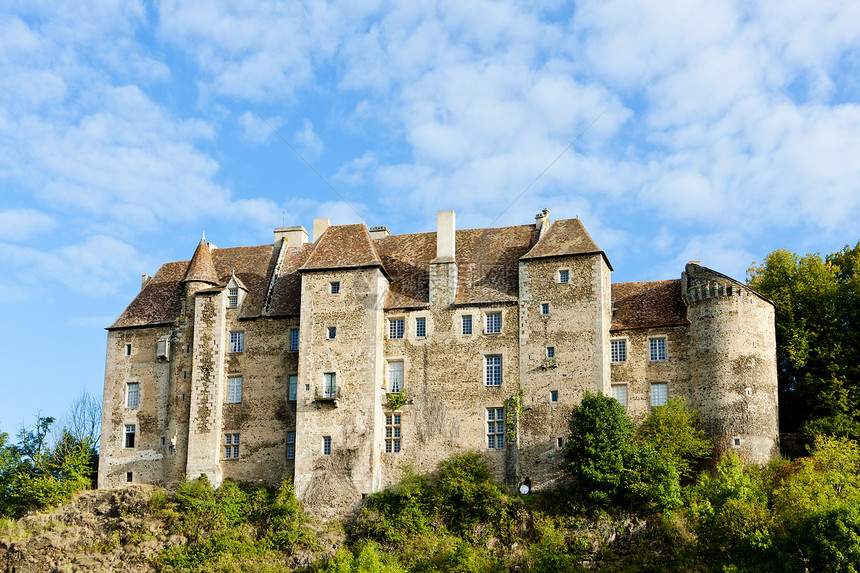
(320,225)
(542,223)
(144,280)
(379,233)
(445,232)
(294,236)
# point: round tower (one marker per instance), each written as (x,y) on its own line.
(733,363)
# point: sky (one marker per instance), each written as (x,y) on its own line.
(699,130)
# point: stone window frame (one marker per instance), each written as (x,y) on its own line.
(495,439)
(237,346)
(559,276)
(291,445)
(233,297)
(295,336)
(128,394)
(559,442)
(651,394)
(329,391)
(330,332)
(393,432)
(402,361)
(545,308)
(127,350)
(626,387)
(493,312)
(129,436)
(390,330)
(292,391)
(550,352)
(553,396)
(326,445)
(231,445)
(665,348)
(334,287)
(626,341)
(485,357)
(418,321)
(231,378)
(471,318)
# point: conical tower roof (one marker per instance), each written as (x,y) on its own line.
(201,268)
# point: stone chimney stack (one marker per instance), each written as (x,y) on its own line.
(294,236)
(144,280)
(443,269)
(542,223)
(320,225)
(379,233)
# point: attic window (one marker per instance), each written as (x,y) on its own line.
(232,298)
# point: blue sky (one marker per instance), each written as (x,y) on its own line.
(127,128)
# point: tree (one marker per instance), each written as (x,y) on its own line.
(817,334)
(673,430)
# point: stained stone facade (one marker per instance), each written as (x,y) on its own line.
(338,361)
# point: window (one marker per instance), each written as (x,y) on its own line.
(234,389)
(420,327)
(334,287)
(291,445)
(559,442)
(553,395)
(564,276)
(293,387)
(129,477)
(329,384)
(395,376)
(232,297)
(392,433)
(187,349)
(163,441)
(129,435)
(494,370)
(132,394)
(737,441)
(128,349)
(331,332)
(237,342)
(550,351)
(619,392)
(495,428)
(544,308)
(659,393)
(395,328)
(494,322)
(231,446)
(658,349)
(326,445)
(466,324)
(294,339)
(618,350)
(171,449)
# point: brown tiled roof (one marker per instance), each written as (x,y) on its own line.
(343,246)
(160,301)
(647,305)
(286,294)
(201,267)
(565,237)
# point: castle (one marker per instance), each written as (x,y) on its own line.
(339,360)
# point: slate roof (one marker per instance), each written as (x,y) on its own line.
(647,305)
(201,268)
(343,246)
(563,238)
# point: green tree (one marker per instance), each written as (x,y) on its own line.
(817,332)
(673,430)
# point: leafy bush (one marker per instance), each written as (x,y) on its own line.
(673,430)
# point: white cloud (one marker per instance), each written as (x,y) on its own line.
(258,131)
(20,224)
(308,143)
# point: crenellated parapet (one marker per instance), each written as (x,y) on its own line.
(700,283)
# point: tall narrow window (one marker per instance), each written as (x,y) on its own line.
(237,342)
(129,435)
(619,392)
(495,428)
(326,445)
(129,477)
(231,446)
(618,350)
(234,389)
(331,332)
(420,327)
(128,349)
(466,324)
(293,388)
(553,395)
(133,392)
(658,349)
(294,339)
(550,351)
(329,385)
(392,433)
(494,322)
(395,376)
(291,445)
(232,297)
(659,393)
(544,308)
(494,370)
(395,328)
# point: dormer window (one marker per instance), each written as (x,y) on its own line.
(232,298)
(236,292)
